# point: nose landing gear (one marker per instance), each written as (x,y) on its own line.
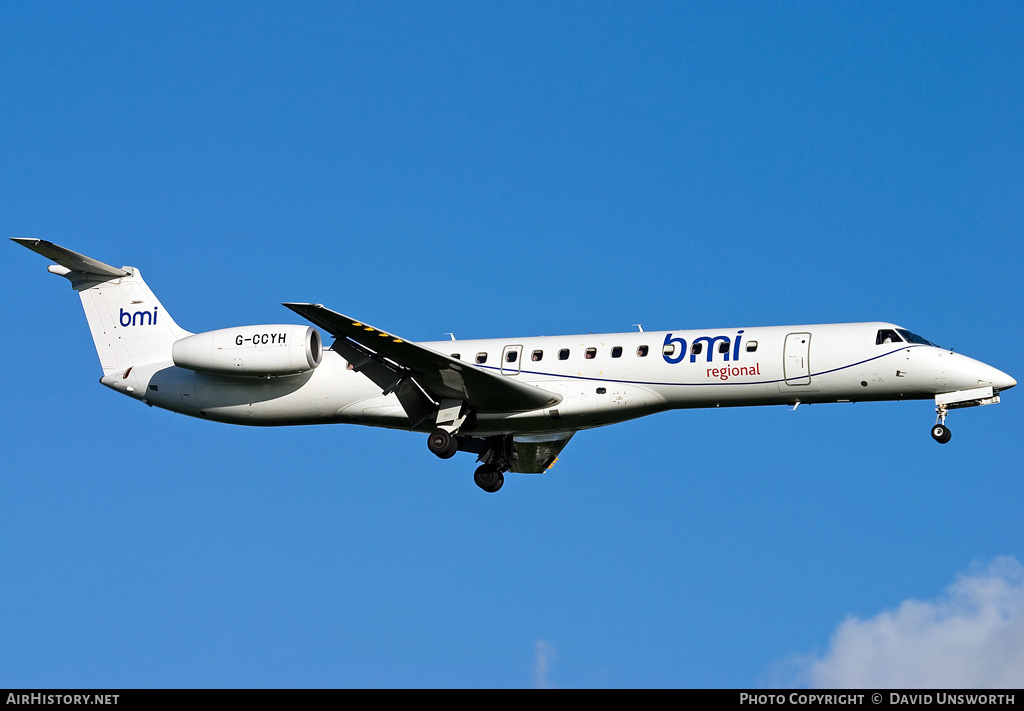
(944,402)
(941,433)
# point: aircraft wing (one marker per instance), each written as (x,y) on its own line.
(420,376)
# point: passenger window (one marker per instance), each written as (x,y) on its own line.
(511,356)
(537,355)
(642,351)
(590,353)
(481,358)
(669,349)
(887,335)
(751,346)
(457,356)
(697,349)
(723,347)
(563,354)
(617,352)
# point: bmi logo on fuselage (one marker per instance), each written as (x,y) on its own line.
(674,349)
(139,318)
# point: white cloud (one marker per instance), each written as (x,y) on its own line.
(971,637)
(544,655)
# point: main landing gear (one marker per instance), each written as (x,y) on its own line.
(495,453)
(941,433)
(443,443)
(488,478)
(451,414)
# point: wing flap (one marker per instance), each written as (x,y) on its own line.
(390,362)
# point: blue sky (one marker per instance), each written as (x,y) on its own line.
(494,169)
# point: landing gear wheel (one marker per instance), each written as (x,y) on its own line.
(941,434)
(488,478)
(442,443)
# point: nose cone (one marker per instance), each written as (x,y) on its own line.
(987,375)
(967,373)
(1002,381)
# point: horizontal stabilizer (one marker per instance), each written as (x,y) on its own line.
(71,260)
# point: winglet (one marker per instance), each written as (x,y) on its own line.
(70,260)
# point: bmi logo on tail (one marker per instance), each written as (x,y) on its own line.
(139,318)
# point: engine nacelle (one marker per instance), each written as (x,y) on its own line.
(251,350)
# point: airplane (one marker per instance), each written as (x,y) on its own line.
(514,402)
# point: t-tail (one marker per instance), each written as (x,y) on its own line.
(129,325)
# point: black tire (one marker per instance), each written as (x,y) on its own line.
(442,443)
(488,478)
(498,483)
(941,434)
(453,448)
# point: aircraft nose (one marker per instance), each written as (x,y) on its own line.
(969,373)
(1002,381)
(987,375)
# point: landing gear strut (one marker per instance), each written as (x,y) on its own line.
(941,433)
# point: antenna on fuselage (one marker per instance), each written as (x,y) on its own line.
(450,334)
(640,327)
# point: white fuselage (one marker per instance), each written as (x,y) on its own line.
(601,378)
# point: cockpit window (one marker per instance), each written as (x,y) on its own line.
(914,338)
(887,335)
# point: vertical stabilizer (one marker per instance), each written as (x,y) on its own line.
(129,325)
